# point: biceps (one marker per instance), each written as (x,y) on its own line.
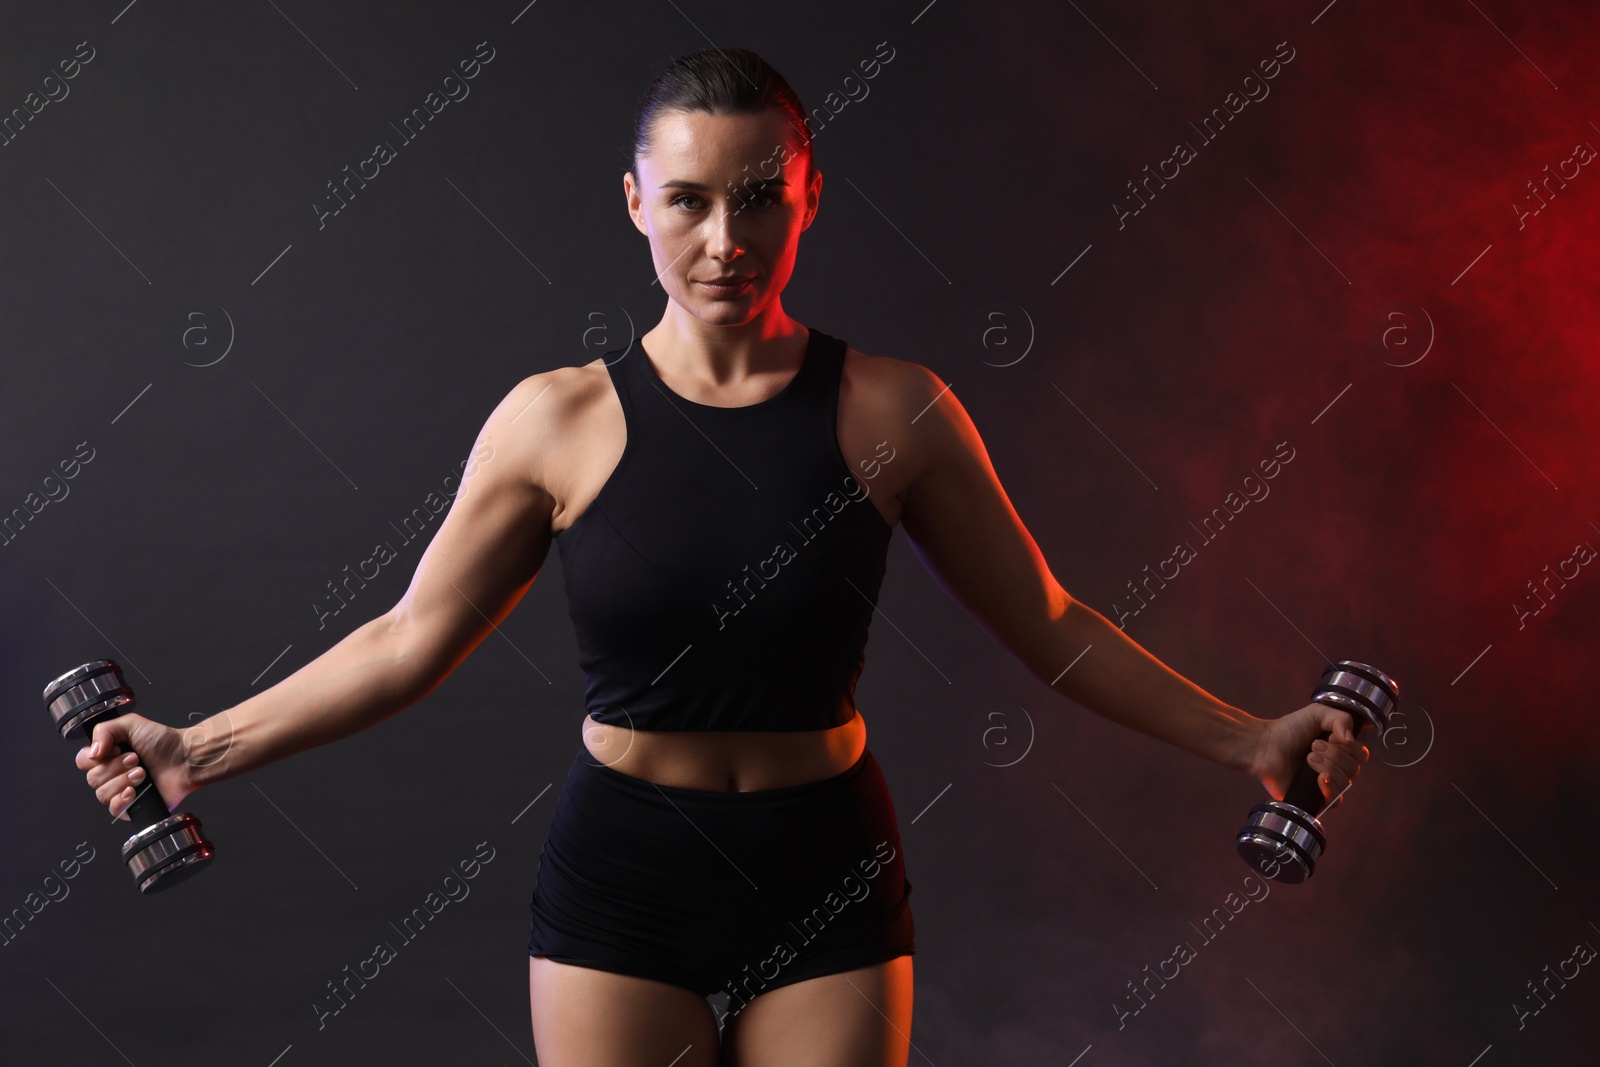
(481,561)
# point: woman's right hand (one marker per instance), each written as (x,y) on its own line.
(116,774)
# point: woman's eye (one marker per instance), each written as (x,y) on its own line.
(690,202)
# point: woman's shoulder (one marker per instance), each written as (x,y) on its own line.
(555,423)
(552,399)
(895,386)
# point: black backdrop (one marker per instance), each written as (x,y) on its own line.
(251,392)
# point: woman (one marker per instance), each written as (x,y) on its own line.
(723,826)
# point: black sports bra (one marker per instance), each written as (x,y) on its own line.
(726,574)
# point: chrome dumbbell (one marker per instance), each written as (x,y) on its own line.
(166,848)
(1283,838)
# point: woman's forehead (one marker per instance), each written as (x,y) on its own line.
(718,145)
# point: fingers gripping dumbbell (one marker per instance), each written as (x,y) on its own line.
(165,848)
(1283,838)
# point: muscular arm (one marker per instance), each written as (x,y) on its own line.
(964,529)
(485,555)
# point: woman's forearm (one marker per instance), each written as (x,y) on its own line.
(1118,679)
(362,680)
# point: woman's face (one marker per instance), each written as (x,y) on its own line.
(722,196)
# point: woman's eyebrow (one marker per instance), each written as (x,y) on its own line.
(749,183)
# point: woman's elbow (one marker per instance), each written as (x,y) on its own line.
(413,653)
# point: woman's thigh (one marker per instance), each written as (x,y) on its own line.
(857,1018)
(584,1017)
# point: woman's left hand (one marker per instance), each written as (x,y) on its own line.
(1282,749)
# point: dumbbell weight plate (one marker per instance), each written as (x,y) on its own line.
(166,853)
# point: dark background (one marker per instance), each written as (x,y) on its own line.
(1371,191)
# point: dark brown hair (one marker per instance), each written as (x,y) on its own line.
(722,81)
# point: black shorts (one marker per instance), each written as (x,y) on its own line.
(722,891)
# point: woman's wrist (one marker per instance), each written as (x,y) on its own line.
(205,747)
(1250,733)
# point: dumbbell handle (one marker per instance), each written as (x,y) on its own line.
(1303,791)
(148,807)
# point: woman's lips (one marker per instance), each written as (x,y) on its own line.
(731,287)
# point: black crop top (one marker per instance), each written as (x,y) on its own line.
(725,576)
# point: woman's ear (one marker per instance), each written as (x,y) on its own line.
(813,198)
(630,192)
